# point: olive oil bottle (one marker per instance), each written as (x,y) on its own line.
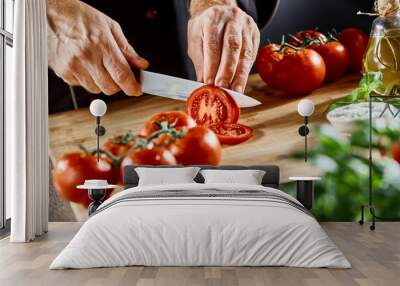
(383,52)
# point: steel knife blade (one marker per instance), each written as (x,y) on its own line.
(180,89)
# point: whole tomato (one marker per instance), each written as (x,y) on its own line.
(119,145)
(304,38)
(396,151)
(266,61)
(178,118)
(155,156)
(73,169)
(300,72)
(356,42)
(336,59)
(200,146)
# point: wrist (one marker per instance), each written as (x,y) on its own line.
(198,6)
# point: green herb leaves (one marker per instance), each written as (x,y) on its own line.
(369,82)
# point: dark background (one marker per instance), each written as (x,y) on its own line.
(295,15)
(158,39)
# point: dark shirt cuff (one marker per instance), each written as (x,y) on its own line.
(260,10)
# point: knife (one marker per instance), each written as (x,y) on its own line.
(180,89)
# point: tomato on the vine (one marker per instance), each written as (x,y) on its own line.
(303,38)
(119,145)
(300,71)
(199,146)
(73,169)
(396,151)
(178,119)
(231,133)
(336,58)
(211,104)
(155,156)
(356,42)
(266,61)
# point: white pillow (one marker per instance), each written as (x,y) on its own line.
(166,176)
(247,177)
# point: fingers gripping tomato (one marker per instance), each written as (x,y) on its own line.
(231,133)
(73,169)
(200,146)
(211,104)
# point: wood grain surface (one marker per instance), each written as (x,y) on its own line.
(374,255)
(275,122)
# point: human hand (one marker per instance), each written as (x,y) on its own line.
(223,43)
(89,49)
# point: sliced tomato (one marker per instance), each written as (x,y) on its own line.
(210,104)
(231,133)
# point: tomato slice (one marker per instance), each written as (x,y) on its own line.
(231,133)
(210,104)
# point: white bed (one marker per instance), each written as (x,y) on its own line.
(222,225)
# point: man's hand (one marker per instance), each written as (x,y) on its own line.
(222,43)
(88,48)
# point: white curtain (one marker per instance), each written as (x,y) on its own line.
(27,124)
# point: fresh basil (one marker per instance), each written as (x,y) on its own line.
(369,82)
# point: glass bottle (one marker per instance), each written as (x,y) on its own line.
(383,53)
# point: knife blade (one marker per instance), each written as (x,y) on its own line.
(180,89)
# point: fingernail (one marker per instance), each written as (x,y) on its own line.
(144,62)
(139,92)
(238,88)
(210,81)
(223,83)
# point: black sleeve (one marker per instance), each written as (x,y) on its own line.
(261,11)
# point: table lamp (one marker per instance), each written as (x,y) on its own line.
(98,108)
(305,108)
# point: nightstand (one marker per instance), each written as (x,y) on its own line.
(305,190)
(97,190)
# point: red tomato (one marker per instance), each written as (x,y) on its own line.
(396,152)
(300,72)
(211,104)
(335,57)
(356,42)
(266,61)
(200,146)
(231,133)
(179,118)
(155,156)
(118,146)
(73,169)
(305,37)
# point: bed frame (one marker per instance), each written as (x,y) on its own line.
(271,177)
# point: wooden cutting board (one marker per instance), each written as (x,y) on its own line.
(275,122)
